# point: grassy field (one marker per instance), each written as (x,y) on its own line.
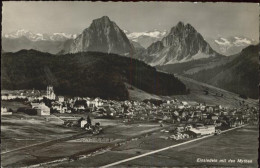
(21,130)
(17,133)
(14,105)
(237,144)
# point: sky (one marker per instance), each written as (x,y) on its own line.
(210,19)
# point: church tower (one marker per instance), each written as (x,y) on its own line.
(50,93)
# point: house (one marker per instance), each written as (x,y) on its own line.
(225,113)
(79,107)
(57,106)
(204,130)
(94,103)
(202,107)
(193,103)
(197,114)
(90,103)
(180,128)
(184,114)
(4,97)
(192,134)
(39,97)
(41,109)
(61,99)
(184,103)
(212,108)
(181,107)
(4,111)
(188,127)
(83,123)
(8,97)
(214,117)
(64,109)
(176,113)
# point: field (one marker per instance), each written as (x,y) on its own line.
(45,139)
(237,144)
(54,141)
(127,140)
(21,130)
(14,105)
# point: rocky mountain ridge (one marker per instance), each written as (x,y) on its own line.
(182,44)
(103,35)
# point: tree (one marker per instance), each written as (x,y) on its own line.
(88,120)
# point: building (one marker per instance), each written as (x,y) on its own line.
(4,111)
(41,108)
(4,97)
(61,99)
(83,123)
(204,130)
(50,93)
(8,97)
(57,106)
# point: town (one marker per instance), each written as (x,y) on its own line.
(188,119)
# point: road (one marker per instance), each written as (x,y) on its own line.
(42,145)
(163,149)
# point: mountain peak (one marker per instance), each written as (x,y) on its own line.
(103,35)
(103,19)
(180,27)
(182,44)
(180,24)
(189,26)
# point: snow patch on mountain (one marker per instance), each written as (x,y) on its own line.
(155,34)
(39,36)
(230,45)
(146,38)
(242,42)
(222,41)
(197,56)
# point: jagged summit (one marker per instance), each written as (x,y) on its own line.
(180,24)
(103,35)
(102,20)
(181,27)
(182,44)
(106,18)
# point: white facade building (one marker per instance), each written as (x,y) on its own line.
(50,93)
(41,108)
(4,111)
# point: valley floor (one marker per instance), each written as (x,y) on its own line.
(237,144)
(75,148)
(44,141)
